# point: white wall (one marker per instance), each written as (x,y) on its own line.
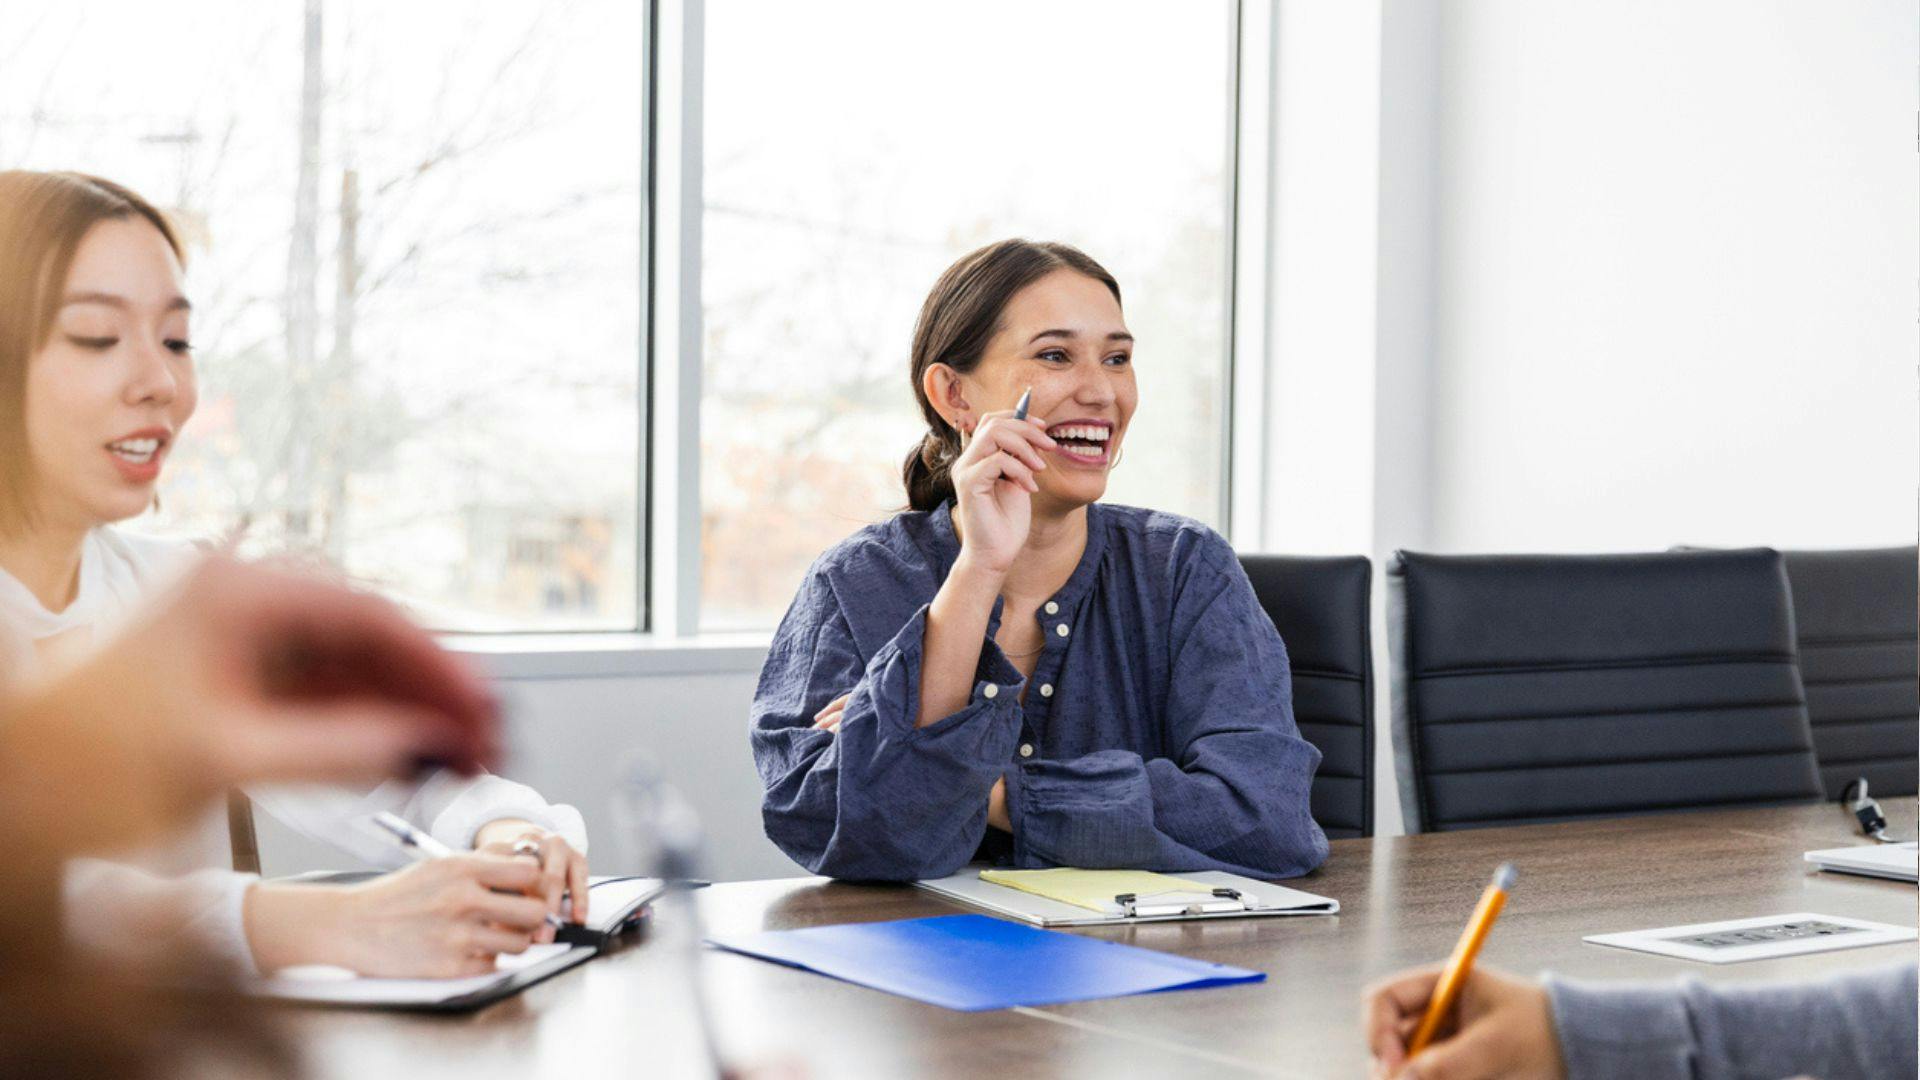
(1320,411)
(1676,256)
(1550,275)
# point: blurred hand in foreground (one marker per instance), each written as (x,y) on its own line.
(242,673)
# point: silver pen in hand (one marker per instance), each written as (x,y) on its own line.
(1020,410)
(423,846)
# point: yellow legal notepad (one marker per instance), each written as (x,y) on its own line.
(1092,889)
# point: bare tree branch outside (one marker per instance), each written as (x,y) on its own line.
(415,262)
(414,259)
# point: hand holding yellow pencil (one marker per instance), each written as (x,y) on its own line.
(1462,1020)
(1461,962)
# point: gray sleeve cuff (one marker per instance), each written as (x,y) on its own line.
(1612,1029)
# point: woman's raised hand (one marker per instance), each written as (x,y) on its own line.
(993,484)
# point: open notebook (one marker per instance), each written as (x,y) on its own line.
(616,904)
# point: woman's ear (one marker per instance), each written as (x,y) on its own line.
(942,385)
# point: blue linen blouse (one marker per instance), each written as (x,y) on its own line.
(1157,732)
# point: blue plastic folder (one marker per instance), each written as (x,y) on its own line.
(974,962)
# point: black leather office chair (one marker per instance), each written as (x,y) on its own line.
(1319,605)
(1531,688)
(1855,615)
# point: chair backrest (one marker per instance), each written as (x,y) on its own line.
(1531,688)
(1855,615)
(1320,607)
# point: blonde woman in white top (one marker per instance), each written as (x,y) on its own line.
(96,382)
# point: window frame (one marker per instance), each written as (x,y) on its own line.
(667,639)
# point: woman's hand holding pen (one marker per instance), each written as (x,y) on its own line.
(438,918)
(1502,1027)
(993,482)
(563,871)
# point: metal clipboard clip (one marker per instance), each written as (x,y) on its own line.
(1132,905)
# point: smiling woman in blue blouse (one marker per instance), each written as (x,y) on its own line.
(1011,669)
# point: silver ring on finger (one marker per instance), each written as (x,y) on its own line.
(527,846)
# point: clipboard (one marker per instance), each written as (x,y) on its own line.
(1230,897)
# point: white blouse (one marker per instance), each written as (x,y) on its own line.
(138,902)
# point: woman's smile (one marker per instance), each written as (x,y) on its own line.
(139,455)
(1083,442)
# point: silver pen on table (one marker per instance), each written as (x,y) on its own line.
(422,845)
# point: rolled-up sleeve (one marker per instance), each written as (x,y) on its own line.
(880,799)
(1232,792)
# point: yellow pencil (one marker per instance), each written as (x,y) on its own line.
(1461,962)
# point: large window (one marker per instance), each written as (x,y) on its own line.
(414,237)
(419,261)
(856,147)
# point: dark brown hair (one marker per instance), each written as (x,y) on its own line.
(43,218)
(958,319)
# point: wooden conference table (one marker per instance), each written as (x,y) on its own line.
(1403,900)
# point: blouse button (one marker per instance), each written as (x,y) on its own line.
(992,691)
(1061,630)
(1026,749)
(1046,689)
(1053,608)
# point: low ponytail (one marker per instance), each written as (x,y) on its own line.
(957,321)
(928,471)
